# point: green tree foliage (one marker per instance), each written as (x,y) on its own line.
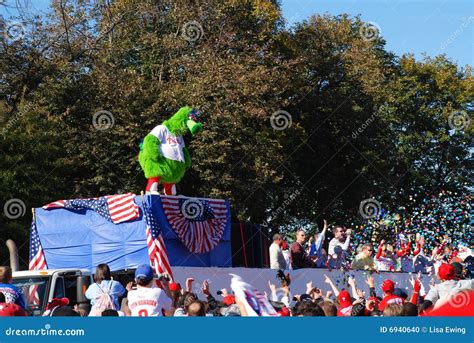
(364,122)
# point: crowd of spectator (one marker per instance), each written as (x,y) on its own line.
(408,254)
(149,296)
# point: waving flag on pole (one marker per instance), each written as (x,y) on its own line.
(37,260)
(115,208)
(199,223)
(156,246)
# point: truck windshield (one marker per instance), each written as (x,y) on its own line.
(34,292)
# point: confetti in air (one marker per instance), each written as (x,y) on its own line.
(434,216)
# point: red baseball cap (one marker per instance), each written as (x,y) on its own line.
(344,299)
(173,286)
(229,300)
(388,286)
(284,312)
(446,272)
(57,302)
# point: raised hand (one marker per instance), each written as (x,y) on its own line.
(351,281)
(205,287)
(272,287)
(370,281)
(309,287)
(189,284)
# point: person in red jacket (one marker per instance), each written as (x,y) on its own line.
(404,253)
(388,286)
(383,260)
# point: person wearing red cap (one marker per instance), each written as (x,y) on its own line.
(284,312)
(175,293)
(388,286)
(285,250)
(54,304)
(447,288)
(174,286)
(229,300)
(345,304)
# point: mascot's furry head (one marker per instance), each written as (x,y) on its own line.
(186,118)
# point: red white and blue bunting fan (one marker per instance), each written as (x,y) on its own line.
(199,223)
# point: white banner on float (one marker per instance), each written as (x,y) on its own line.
(221,278)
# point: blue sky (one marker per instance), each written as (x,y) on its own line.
(408,26)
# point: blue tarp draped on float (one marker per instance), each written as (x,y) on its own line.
(84,239)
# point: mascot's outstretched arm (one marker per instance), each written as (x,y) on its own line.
(163,156)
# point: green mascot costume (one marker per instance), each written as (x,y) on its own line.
(163,156)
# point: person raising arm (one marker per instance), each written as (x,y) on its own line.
(316,249)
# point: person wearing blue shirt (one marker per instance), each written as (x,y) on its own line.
(316,248)
(11,292)
(105,284)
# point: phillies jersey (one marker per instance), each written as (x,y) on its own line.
(148,302)
(171,146)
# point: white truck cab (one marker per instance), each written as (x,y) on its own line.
(39,287)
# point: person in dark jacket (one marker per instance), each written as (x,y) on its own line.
(299,257)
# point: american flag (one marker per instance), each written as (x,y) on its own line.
(37,261)
(115,208)
(156,246)
(199,223)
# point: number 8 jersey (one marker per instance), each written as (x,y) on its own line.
(148,302)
